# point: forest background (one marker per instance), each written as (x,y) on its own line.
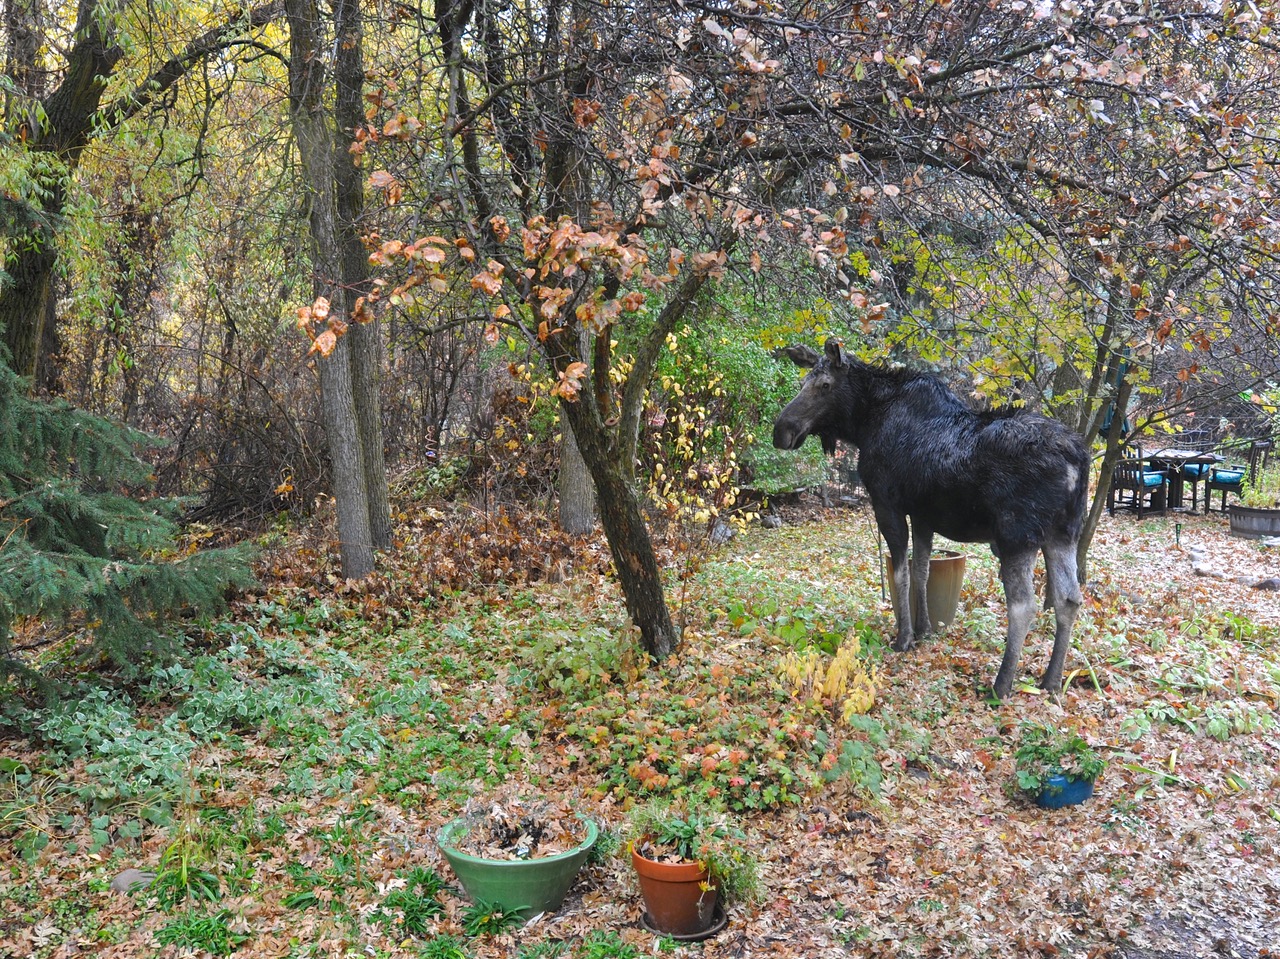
(475,211)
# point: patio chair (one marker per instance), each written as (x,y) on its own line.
(1231,478)
(1193,474)
(1136,487)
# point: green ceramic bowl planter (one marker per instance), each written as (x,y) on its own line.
(526,886)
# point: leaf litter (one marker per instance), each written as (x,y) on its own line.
(1175,680)
(511,827)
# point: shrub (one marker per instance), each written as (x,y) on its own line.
(82,547)
(845,683)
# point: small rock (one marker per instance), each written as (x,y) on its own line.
(1270,584)
(721,533)
(131,880)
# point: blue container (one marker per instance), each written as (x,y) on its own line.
(1060,791)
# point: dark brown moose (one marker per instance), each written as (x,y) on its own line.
(1010,478)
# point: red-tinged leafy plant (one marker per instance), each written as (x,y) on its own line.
(699,834)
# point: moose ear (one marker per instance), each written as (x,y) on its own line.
(805,356)
(835,352)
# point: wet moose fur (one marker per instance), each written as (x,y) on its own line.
(1010,478)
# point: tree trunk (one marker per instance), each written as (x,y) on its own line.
(23,299)
(342,436)
(307,84)
(624,526)
(366,346)
(577,492)
(49,359)
(1109,459)
(24,305)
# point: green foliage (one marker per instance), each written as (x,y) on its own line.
(82,547)
(608,843)
(488,919)
(715,388)
(547,949)
(855,761)
(774,471)
(573,660)
(409,910)
(24,794)
(184,873)
(1263,492)
(1219,720)
(438,479)
(606,945)
(691,729)
(443,947)
(802,627)
(211,934)
(1045,751)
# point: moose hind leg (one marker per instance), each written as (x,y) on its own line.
(1020,599)
(1060,574)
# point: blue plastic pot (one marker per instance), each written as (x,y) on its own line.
(1060,791)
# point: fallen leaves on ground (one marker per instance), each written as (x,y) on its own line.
(1174,677)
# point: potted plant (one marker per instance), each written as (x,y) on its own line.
(518,855)
(1056,767)
(1257,515)
(691,863)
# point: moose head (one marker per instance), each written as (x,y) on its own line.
(821,400)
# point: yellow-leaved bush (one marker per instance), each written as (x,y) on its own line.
(845,682)
(694,480)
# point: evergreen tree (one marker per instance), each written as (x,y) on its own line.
(82,545)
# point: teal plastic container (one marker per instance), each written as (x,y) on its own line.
(1060,791)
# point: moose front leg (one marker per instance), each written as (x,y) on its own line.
(894,530)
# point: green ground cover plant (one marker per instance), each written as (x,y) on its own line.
(292,774)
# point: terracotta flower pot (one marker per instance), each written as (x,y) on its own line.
(677,895)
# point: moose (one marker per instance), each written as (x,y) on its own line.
(1007,477)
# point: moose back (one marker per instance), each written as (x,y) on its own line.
(1014,479)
